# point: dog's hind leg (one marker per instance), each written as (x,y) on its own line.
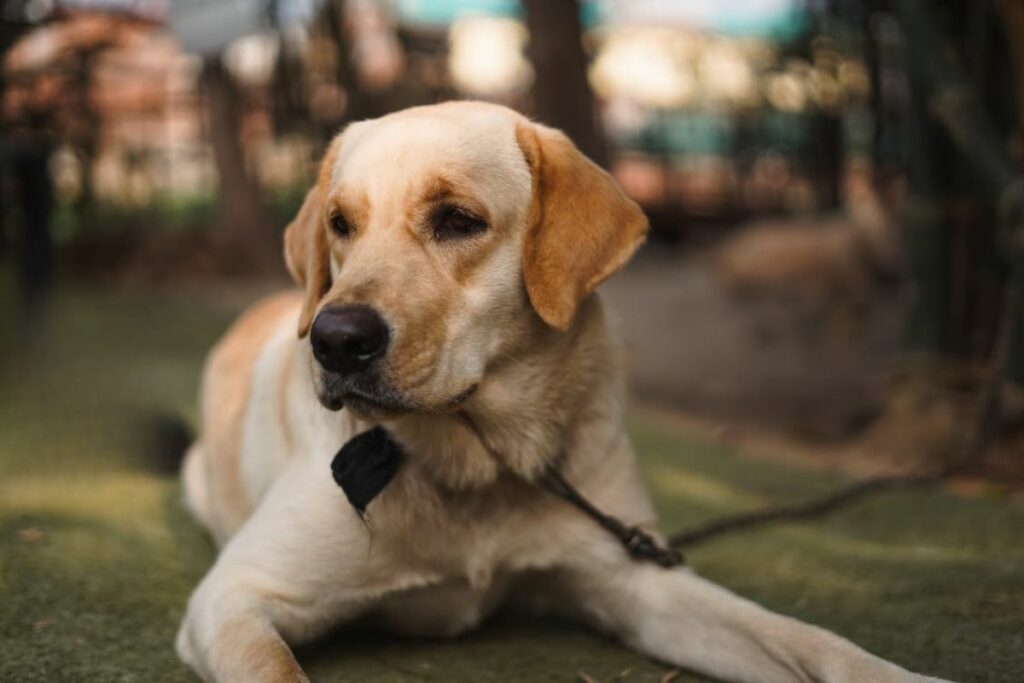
(680,618)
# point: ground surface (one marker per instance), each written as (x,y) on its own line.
(97,557)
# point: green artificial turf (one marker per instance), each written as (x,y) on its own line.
(97,557)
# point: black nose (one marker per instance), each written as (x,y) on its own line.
(346,339)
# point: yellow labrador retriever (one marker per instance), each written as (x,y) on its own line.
(448,257)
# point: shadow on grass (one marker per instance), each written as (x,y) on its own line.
(510,648)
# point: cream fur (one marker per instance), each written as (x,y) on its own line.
(457,532)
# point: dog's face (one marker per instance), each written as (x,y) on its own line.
(434,240)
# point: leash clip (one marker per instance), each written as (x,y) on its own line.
(641,546)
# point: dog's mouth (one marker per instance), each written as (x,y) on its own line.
(456,401)
(364,405)
(378,400)
(362,398)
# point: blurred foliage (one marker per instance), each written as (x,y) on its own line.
(168,212)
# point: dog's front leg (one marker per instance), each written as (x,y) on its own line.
(680,618)
(285,577)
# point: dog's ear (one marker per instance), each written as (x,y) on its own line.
(582,227)
(306,253)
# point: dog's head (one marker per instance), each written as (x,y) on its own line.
(437,237)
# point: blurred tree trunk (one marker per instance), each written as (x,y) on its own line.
(927,236)
(363,100)
(1011,14)
(358,104)
(974,119)
(25,160)
(35,267)
(243,233)
(561,93)
(86,132)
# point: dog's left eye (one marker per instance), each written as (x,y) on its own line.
(453,222)
(339,225)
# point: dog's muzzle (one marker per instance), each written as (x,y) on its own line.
(348,342)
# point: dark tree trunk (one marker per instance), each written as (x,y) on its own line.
(244,232)
(358,105)
(86,134)
(1011,14)
(35,189)
(973,130)
(927,236)
(561,93)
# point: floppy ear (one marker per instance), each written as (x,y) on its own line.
(306,251)
(582,227)
(305,254)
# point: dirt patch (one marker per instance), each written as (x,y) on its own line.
(803,376)
(801,364)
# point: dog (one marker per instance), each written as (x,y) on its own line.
(447,258)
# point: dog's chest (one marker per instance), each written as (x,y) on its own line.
(453,558)
(463,542)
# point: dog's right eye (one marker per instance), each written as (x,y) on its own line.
(339,226)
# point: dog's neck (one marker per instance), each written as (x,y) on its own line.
(525,411)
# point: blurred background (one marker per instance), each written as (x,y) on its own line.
(826,255)
(834,275)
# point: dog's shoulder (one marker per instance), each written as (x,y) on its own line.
(225,395)
(227,380)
